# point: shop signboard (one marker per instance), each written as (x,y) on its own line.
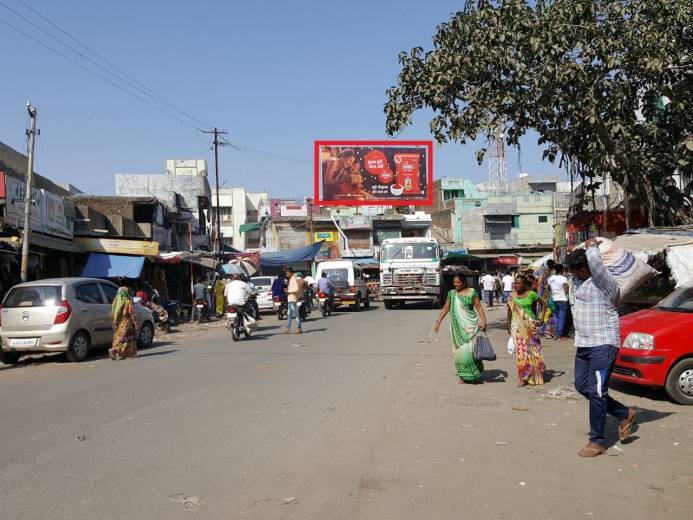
(57,222)
(15,191)
(327,236)
(373,173)
(293,210)
(118,246)
(508,260)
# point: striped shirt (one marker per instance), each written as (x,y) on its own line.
(594,305)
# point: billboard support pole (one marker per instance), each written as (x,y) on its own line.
(341,233)
(31,139)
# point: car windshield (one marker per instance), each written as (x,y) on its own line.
(681,300)
(34,296)
(422,251)
(262,281)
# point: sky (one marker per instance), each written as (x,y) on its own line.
(275,75)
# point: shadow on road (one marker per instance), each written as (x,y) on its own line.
(159,353)
(494,376)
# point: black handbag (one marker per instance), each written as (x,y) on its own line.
(483,351)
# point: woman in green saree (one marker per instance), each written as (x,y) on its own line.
(467,319)
(124,326)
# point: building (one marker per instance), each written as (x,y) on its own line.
(184,190)
(241,223)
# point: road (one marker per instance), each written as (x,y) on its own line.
(359,418)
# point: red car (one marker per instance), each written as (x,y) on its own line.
(657,348)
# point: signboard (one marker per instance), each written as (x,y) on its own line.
(293,210)
(117,245)
(15,192)
(327,236)
(373,173)
(508,260)
(57,221)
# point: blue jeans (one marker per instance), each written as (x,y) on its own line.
(561,315)
(488,297)
(593,366)
(292,313)
(506,296)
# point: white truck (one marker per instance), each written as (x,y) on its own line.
(410,271)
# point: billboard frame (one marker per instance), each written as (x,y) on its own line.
(428,201)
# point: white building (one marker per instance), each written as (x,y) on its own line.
(238,207)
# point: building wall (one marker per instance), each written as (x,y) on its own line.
(238,207)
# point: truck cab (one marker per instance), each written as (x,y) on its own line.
(410,271)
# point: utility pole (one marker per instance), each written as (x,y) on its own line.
(217,213)
(311,227)
(31,138)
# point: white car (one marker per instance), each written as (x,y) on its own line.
(263,285)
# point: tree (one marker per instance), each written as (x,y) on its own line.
(577,72)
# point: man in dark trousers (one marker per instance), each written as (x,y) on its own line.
(597,338)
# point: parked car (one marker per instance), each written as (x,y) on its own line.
(69,315)
(349,282)
(263,284)
(657,348)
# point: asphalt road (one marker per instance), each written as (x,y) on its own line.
(359,418)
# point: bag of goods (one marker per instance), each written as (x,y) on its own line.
(630,272)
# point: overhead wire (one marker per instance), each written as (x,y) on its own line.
(109,63)
(96,74)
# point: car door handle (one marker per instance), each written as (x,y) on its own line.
(85,310)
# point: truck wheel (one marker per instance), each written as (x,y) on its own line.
(10,358)
(389,304)
(367,303)
(357,305)
(679,385)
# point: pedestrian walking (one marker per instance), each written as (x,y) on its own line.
(294,292)
(219,299)
(488,284)
(597,338)
(507,286)
(558,284)
(467,319)
(124,326)
(523,329)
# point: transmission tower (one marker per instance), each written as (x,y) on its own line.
(497,168)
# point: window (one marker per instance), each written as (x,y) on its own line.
(543,219)
(226,215)
(109,291)
(88,293)
(34,296)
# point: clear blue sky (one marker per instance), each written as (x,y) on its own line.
(276,75)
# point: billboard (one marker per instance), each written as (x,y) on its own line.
(373,173)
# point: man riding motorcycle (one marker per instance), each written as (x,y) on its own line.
(326,287)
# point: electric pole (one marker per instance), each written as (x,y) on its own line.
(217,213)
(31,138)
(311,227)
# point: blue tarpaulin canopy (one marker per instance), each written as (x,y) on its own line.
(283,258)
(113,266)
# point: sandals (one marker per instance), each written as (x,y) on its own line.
(592,450)
(625,430)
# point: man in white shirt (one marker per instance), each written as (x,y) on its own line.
(559,294)
(237,291)
(507,286)
(488,285)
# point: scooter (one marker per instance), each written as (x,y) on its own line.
(280,307)
(325,302)
(238,321)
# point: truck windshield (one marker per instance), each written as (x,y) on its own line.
(422,251)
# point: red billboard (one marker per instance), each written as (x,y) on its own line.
(373,173)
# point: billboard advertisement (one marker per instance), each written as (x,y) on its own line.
(373,173)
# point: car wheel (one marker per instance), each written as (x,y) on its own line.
(679,385)
(10,358)
(79,348)
(146,336)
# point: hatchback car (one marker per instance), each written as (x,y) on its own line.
(657,348)
(69,315)
(263,284)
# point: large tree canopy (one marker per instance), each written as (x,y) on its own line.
(606,84)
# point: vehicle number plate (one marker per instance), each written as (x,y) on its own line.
(231,315)
(23,342)
(322,300)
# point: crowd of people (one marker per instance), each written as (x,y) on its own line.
(542,302)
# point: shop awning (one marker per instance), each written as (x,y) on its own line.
(253,226)
(284,258)
(113,266)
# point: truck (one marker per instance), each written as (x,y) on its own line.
(410,271)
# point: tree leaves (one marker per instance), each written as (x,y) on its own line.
(576,71)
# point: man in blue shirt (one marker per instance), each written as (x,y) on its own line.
(279,288)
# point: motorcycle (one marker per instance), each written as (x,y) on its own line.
(303,310)
(238,321)
(173,308)
(325,302)
(280,307)
(200,310)
(160,316)
(252,305)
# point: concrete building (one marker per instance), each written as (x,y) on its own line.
(185,192)
(238,208)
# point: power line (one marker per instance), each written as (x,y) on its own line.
(284,157)
(123,76)
(90,71)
